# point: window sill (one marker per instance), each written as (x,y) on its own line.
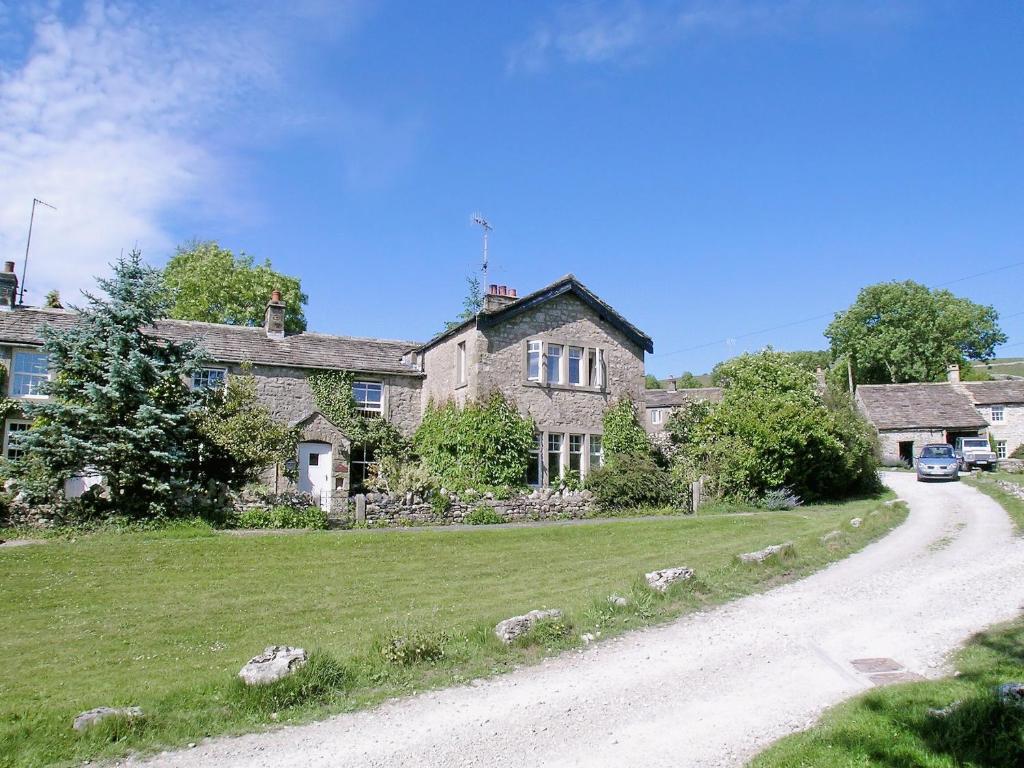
(564,387)
(461,386)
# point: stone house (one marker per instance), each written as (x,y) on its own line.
(660,403)
(561,355)
(908,416)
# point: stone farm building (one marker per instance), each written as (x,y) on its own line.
(907,416)
(560,354)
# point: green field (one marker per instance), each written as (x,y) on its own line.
(164,620)
(893,727)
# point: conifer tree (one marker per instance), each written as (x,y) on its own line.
(120,404)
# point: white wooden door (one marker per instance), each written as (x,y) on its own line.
(315,472)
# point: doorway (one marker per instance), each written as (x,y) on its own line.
(315,472)
(907,452)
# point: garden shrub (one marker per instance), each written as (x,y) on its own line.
(283,517)
(623,432)
(483,515)
(1019,453)
(780,498)
(633,481)
(412,647)
(483,445)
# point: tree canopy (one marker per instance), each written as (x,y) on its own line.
(689,381)
(209,283)
(652,382)
(904,332)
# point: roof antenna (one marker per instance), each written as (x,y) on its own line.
(485,225)
(28,244)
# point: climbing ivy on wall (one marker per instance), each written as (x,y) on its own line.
(484,445)
(332,393)
(623,433)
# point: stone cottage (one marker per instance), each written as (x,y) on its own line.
(560,354)
(908,416)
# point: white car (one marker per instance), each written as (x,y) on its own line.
(975,452)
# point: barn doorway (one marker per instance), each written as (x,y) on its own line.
(907,452)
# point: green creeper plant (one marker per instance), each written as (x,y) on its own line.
(623,433)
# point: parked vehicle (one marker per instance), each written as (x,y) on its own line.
(938,461)
(974,452)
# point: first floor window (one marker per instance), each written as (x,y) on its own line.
(656,416)
(29,372)
(554,458)
(209,378)
(361,467)
(576,453)
(533,360)
(554,363)
(369,397)
(998,414)
(1000,449)
(14,430)
(460,364)
(596,452)
(533,469)
(576,365)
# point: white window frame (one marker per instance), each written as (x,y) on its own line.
(207,370)
(553,369)
(998,414)
(535,349)
(537,459)
(8,432)
(34,378)
(591,453)
(460,364)
(580,359)
(549,451)
(373,410)
(656,416)
(1001,449)
(582,453)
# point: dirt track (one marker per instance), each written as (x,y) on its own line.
(711,689)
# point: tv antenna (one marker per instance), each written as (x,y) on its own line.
(28,244)
(486,227)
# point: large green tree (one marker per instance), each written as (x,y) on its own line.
(210,283)
(119,400)
(903,331)
(774,429)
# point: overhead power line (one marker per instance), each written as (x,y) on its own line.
(792,323)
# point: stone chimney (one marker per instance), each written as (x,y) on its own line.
(8,288)
(499,297)
(273,321)
(672,383)
(953,373)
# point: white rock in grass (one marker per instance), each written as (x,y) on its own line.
(93,716)
(661,580)
(275,662)
(856,522)
(618,600)
(517,626)
(831,536)
(763,554)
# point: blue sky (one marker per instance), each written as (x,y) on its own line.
(712,169)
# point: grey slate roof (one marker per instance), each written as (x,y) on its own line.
(563,285)
(239,344)
(918,406)
(666,398)
(1004,391)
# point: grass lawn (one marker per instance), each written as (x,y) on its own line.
(986,483)
(164,620)
(892,726)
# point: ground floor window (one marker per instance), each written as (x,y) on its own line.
(534,472)
(14,429)
(362,466)
(1000,449)
(576,454)
(596,452)
(554,457)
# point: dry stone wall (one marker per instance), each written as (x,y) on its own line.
(376,509)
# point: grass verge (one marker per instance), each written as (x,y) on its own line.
(164,619)
(899,725)
(988,483)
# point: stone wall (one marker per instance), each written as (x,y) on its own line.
(381,510)
(889,441)
(439,366)
(1011,429)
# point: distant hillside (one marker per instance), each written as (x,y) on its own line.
(1008,366)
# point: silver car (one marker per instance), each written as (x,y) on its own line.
(938,461)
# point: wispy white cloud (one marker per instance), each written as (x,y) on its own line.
(625,31)
(111,116)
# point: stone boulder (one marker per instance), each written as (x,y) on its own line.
(93,716)
(831,536)
(517,626)
(763,554)
(618,601)
(276,662)
(1011,694)
(661,580)
(856,522)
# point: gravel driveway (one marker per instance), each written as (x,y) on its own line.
(710,689)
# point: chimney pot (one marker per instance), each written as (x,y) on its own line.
(275,295)
(8,266)
(512,292)
(492,289)
(953,373)
(672,383)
